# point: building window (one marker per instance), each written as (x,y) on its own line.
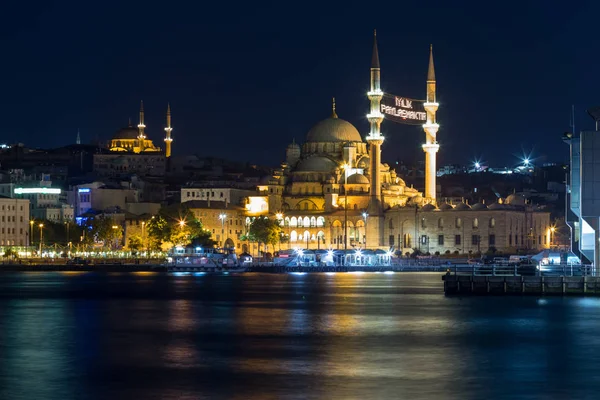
(457,240)
(475,240)
(492,222)
(475,223)
(407,241)
(510,240)
(391,224)
(441,223)
(423,239)
(423,224)
(458,223)
(492,240)
(440,240)
(391,240)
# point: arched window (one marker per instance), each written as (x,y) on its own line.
(356,206)
(293,221)
(306,236)
(313,222)
(391,224)
(423,223)
(492,222)
(320,221)
(306,222)
(441,223)
(475,223)
(293,236)
(458,223)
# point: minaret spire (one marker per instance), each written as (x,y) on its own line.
(333,114)
(375,57)
(78,140)
(431,127)
(168,130)
(141,127)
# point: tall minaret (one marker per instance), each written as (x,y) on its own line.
(374,137)
(78,140)
(141,127)
(431,127)
(168,130)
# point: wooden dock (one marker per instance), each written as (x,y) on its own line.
(521,285)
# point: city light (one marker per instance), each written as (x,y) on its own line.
(42,190)
(181,223)
(84,190)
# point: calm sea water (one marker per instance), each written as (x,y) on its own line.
(261,336)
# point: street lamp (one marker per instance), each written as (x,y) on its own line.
(345,167)
(365,215)
(181,223)
(222,217)
(41,237)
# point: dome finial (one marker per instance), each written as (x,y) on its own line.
(333,114)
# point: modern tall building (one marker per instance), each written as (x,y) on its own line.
(583,195)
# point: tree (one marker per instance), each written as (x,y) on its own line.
(265,230)
(177,226)
(103,230)
(135,243)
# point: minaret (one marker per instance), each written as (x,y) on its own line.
(141,127)
(374,225)
(78,140)
(431,127)
(374,138)
(168,130)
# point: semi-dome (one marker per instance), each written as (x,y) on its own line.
(317,164)
(128,132)
(358,179)
(333,129)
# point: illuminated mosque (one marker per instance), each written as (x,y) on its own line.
(132,152)
(333,191)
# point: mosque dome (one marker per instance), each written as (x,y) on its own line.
(333,129)
(479,206)
(462,207)
(358,179)
(515,200)
(496,206)
(445,207)
(129,132)
(428,207)
(316,164)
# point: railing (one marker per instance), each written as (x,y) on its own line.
(522,270)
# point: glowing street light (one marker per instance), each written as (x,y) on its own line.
(41,237)
(181,223)
(477,165)
(223,217)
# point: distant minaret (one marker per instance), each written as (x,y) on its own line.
(431,146)
(78,140)
(168,130)
(141,127)
(374,138)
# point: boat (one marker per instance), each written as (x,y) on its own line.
(197,259)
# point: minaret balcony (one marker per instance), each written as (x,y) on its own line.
(168,140)
(375,137)
(431,107)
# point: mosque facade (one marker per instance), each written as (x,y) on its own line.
(333,191)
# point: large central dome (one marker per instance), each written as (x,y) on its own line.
(333,129)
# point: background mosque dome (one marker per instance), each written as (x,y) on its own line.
(496,206)
(357,179)
(428,207)
(129,132)
(462,207)
(333,129)
(317,164)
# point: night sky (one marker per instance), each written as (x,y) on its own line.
(244,78)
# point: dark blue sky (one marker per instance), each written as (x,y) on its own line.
(244,78)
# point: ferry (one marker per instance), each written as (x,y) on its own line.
(198,259)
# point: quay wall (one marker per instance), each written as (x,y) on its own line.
(521,285)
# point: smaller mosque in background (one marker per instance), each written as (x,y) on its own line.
(132,152)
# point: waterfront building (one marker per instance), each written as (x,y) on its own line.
(14,222)
(227,222)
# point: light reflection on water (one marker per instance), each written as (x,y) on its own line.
(363,336)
